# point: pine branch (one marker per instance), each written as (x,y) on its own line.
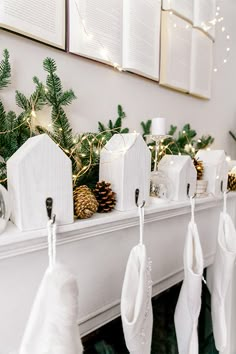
(172,130)
(5,70)
(22,101)
(101,127)
(115,127)
(56,98)
(233,135)
(146,126)
(61,128)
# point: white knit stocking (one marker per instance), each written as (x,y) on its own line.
(222,272)
(189,302)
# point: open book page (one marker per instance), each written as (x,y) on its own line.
(95,29)
(176,38)
(42,20)
(141,37)
(183,8)
(204,15)
(201,64)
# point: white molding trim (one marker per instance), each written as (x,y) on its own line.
(14,243)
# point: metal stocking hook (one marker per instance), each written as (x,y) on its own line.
(188,189)
(221,188)
(49,204)
(136,199)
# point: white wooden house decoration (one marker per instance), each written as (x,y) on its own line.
(125,162)
(181,173)
(38,170)
(215,170)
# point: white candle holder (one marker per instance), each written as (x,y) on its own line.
(159,186)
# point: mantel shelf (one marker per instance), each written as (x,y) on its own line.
(14,242)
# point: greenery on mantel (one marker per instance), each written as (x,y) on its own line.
(83,149)
(184,141)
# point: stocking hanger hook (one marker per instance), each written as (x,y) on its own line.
(136,199)
(49,205)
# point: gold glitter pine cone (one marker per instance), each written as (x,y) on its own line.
(85,203)
(198,164)
(105,196)
(232,181)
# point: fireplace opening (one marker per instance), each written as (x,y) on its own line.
(109,339)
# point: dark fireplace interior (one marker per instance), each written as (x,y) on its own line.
(109,339)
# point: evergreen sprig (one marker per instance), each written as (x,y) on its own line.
(116,127)
(5,70)
(146,126)
(184,141)
(57,98)
(82,149)
(232,135)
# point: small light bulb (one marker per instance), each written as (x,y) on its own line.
(225,60)
(215,70)
(222,29)
(33,113)
(60,129)
(228,49)
(228,37)
(90,36)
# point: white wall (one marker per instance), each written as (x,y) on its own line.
(100,88)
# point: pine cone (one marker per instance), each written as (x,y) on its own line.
(105,197)
(232,181)
(198,164)
(85,203)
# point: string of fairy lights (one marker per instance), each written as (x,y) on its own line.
(205,26)
(90,36)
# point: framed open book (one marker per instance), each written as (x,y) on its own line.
(186,57)
(115,32)
(176,36)
(183,8)
(42,20)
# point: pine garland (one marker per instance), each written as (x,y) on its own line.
(82,149)
(183,142)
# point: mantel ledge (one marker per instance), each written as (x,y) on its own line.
(13,242)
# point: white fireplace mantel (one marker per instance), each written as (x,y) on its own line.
(96,250)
